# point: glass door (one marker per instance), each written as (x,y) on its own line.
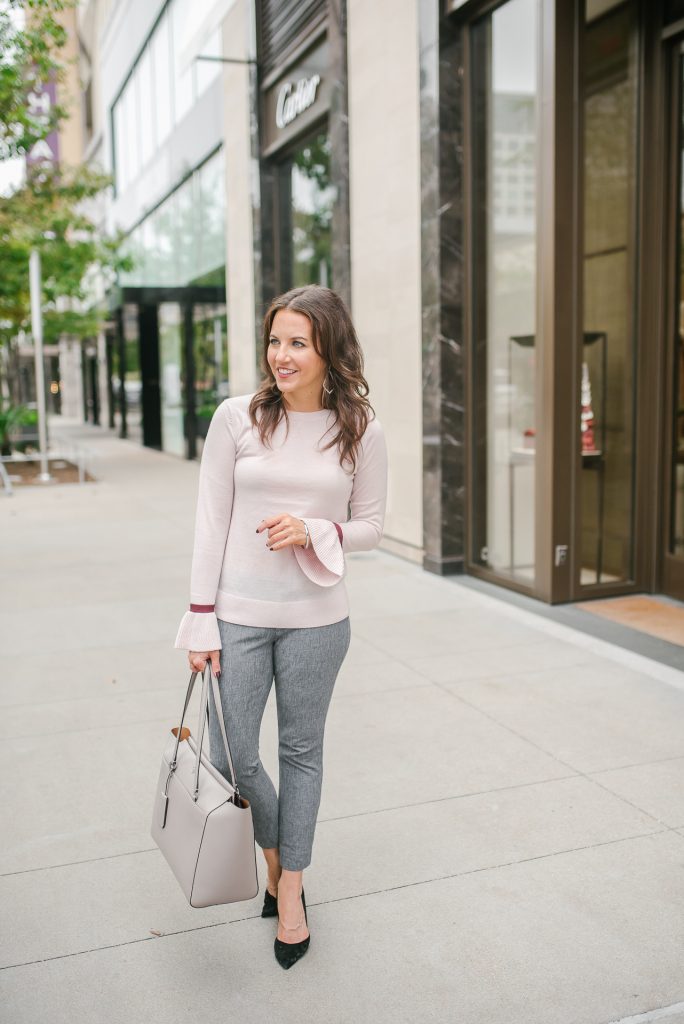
(171,378)
(211,379)
(305,200)
(608,392)
(505,338)
(673,477)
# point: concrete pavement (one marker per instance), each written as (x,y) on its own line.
(501,834)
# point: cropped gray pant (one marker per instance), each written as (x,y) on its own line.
(304,662)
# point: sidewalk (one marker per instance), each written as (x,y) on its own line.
(501,834)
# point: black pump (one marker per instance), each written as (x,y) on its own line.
(288,953)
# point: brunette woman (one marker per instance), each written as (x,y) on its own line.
(298,470)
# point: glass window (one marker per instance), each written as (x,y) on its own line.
(305,202)
(132,376)
(182,26)
(186,230)
(211,240)
(163,88)
(147,107)
(208,70)
(171,377)
(132,125)
(607,412)
(504,150)
(183,241)
(211,364)
(120,149)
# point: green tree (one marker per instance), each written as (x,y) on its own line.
(52,210)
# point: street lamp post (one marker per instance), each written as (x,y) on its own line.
(37,331)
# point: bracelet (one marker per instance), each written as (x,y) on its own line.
(307,534)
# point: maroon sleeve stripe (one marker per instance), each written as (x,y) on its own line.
(202,607)
(339,530)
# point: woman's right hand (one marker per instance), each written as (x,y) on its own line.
(198,660)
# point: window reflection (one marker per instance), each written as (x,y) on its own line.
(170,378)
(312,206)
(147,111)
(183,241)
(162,95)
(207,70)
(164,85)
(505,144)
(211,220)
(132,377)
(211,364)
(608,399)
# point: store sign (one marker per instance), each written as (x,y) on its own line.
(295,98)
(298,98)
(40,101)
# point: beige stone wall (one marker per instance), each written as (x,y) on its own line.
(384,145)
(239,235)
(71,135)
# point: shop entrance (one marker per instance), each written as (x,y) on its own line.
(672,533)
(169,365)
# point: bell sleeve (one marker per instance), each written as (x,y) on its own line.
(323,561)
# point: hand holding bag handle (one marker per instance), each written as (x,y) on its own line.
(205,829)
(203,717)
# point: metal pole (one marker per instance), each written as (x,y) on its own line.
(37,330)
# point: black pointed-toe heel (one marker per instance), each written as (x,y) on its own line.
(270,907)
(288,953)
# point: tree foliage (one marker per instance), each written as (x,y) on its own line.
(29,51)
(54,210)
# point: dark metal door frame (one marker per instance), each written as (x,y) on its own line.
(671,574)
(148,298)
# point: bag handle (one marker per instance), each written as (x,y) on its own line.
(204,715)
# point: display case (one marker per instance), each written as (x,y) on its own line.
(522,422)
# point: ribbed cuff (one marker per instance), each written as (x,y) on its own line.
(198,631)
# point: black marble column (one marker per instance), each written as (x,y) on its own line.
(339,147)
(442,267)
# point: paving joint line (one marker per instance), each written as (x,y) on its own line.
(578,771)
(340,899)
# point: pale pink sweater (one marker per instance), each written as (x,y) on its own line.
(234,574)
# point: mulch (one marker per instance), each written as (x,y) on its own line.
(23,474)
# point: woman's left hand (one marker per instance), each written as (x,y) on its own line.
(283,530)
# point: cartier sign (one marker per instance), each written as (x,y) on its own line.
(295,98)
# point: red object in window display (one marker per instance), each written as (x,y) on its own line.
(529,438)
(587,413)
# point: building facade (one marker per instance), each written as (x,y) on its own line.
(555,156)
(494,188)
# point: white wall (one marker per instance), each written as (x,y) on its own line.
(384,145)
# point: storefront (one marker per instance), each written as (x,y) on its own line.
(168,355)
(560,177)
(166,337)
(304,219)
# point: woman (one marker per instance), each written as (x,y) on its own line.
(281,469)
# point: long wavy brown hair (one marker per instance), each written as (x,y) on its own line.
(335,340)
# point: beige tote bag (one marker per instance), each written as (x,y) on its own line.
(200,822)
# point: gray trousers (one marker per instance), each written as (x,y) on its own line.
(304,662)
